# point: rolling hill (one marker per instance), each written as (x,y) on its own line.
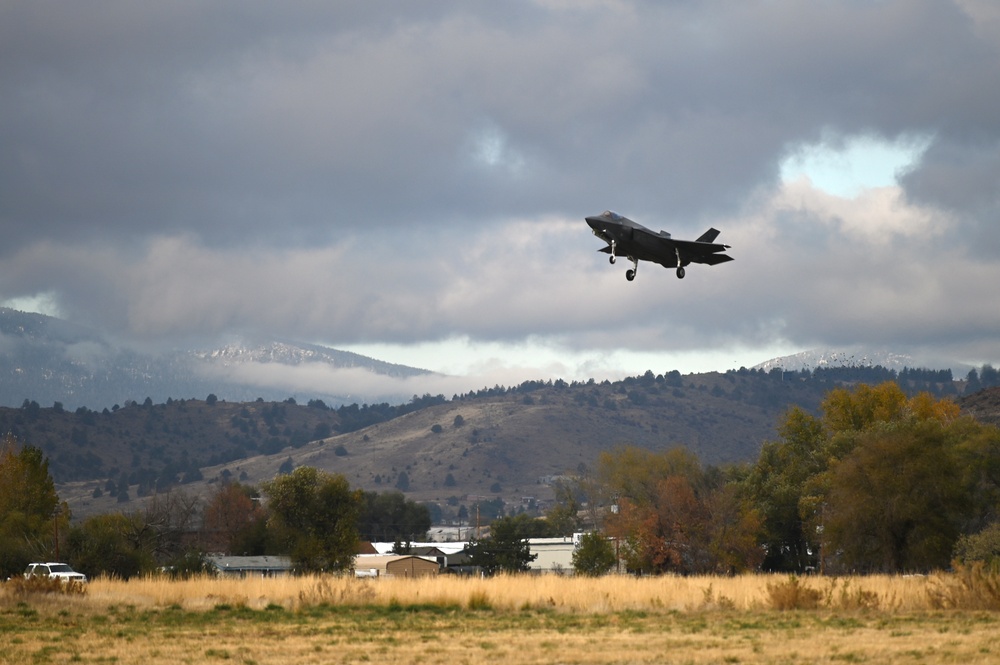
(506,443)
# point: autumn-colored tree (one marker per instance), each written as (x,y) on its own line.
(858,409)
(230,514)
(733,528)
(671,515)
(634,473)
(32,519)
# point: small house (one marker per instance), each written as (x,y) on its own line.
(404,565)
(250,566)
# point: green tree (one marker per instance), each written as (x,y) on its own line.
(897,501)
(314,515)
(506,550)
(983,546)
(390,516)
(791,483)
(775,485)
(594,556)
(112,544)
(32,520)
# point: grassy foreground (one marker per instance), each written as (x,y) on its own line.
(750,619)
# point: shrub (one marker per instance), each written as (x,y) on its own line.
(793,595)
(22,587)
(852,597)
(479,600)
(983,546)
(975,586)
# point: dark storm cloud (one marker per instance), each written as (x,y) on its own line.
(369,171)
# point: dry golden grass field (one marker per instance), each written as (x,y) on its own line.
(952,618)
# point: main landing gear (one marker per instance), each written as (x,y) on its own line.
(680,264)
(630,274)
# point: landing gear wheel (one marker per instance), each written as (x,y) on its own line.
(612,259)
(630,274)
(680,272)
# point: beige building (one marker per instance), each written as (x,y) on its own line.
(402,565)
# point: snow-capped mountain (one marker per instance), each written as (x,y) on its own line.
(48,360)
(243,351)
(856,357)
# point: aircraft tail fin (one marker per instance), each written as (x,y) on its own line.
(709,236)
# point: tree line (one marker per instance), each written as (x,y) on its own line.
(876,481)
(312,516)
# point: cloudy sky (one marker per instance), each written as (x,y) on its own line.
(410,179)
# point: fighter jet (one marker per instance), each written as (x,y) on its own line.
(635,242)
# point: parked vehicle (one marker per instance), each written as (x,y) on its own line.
(61,571)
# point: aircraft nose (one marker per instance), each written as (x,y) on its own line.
(593,221)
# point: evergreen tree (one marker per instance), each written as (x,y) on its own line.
(594,556)
(32,520)
(506,550)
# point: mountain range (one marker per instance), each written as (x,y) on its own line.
(48,360)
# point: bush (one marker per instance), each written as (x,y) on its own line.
(972,587)
(851,598)
(983,546)
(793,595)
(22,587)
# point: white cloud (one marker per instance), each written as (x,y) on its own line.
(874,215)
(847,167)
(42,303)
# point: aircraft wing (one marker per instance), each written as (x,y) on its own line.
(699,251)
(712,259)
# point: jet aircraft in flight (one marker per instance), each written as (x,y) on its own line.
(635,242)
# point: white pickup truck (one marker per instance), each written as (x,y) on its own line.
(61,571)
